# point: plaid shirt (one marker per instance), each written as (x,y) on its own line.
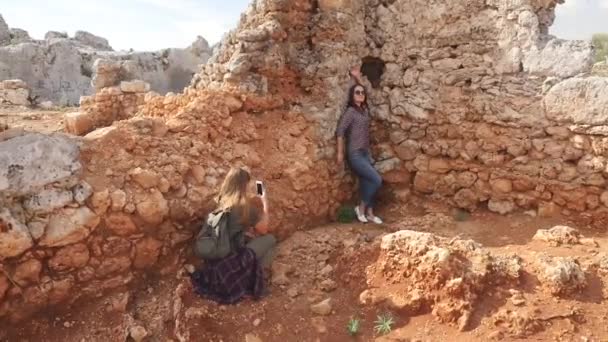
(354,125)
(227,280)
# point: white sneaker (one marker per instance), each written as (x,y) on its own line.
(360,215)
(375,219)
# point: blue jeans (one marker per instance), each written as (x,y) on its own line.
(369,179)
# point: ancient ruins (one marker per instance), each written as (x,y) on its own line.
(61,69)
(475,106)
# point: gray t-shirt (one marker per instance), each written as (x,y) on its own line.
(238,221)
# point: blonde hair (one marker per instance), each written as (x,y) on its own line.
(233,192)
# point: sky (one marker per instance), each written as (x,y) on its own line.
(146,25)
(579,19)
(143,25)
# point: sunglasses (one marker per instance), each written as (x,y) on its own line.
(359,92)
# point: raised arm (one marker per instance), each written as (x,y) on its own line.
(344,124)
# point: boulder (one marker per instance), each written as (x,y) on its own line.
(48,200)
(78,123)
(68,226)
(561,275)
(558,235)
(153,207)
(55,35)
(92,40)
(578,100)
(502,207)
(323,308)
(559,57)
(19,36)
(14,92)
(14,235)
(31,161)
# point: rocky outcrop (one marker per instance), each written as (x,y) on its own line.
(92,40)
(64,67)
(5,33)
(416,271)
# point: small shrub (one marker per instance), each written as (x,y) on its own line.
(461,215)
(353,326)
(384,324)
(346,214)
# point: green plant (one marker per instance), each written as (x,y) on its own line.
(384,324)
(346,214)
(353,326)
(461,215)
(600,42)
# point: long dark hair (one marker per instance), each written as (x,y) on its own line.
(351,98)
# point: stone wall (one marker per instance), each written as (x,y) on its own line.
(60,69)
(108,105)
(474,101)
(61,240)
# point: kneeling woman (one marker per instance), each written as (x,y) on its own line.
(241,273)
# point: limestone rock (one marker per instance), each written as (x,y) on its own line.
(69,226)
(322,308)
(92,40)
(100,201)
(145,178)
(27,272)
(135,86)
(5,35)
(55,35)
(78,123)
(153,208)
(147,252)
(48,200)
(562,58)
(82,191)
(558,235)
(119,200)
(502,207)
(14,235)
(579,101)
(121,224)
(31,161)
(138,333)
(70,258)
(19,36)
(561,275)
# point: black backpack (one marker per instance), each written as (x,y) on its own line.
(214,241)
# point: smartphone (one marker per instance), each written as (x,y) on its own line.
(259,187)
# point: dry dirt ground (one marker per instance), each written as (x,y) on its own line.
(38,120)
(330,262)
(169,311)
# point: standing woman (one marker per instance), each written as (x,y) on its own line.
(354,127)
